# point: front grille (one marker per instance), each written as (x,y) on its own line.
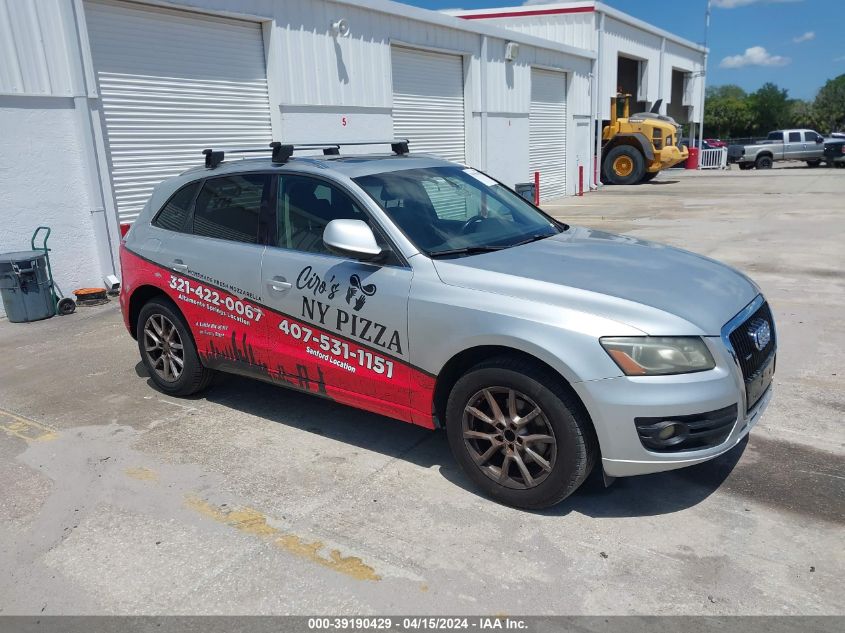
(690,432)
(752,360)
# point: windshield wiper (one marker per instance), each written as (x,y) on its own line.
(533,238)
(467,250)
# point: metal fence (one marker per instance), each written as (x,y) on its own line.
(713,158)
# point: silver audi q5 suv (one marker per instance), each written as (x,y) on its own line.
(426,291)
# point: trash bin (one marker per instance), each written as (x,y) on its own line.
(25,286)
(526,190)
(692,160)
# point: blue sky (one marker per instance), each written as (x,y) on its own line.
(797,44)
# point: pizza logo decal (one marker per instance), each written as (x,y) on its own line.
(366,290)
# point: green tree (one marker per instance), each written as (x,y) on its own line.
(802,114)
(770,106)
(727,113)
(829,105)
(728,91)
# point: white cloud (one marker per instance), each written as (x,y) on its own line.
(809,35)
(754,56)
(733,4)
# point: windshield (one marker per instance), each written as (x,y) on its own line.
(452,211)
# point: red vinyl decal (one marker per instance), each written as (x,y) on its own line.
(237,332)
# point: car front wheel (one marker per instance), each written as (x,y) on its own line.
(168,351)
(764,162)
(518,434)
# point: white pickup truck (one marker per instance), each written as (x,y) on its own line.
(804,145)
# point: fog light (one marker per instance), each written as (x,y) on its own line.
(670,433)
(667,431)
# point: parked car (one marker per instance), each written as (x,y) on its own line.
(714,142)
(426,291)
(834,152)
(804,145)
(705,144)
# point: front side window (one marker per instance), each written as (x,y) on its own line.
(229,207)
(810,137)
(449,211)
(174,213)
(304,206)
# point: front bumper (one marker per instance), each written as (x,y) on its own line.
(613,404)
(670,156)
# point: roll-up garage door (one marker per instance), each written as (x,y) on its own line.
(547,131)
(428,102)
(173,83)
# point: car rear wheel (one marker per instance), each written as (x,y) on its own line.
(168,351)
(518,434)
(624,165)
(764,162)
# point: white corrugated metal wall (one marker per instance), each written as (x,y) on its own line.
(34,57)
(173,83)
(547,131)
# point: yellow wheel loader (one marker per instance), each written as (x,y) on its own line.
(636,147)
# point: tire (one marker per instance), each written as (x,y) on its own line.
(813,163)
(629,160)
(66,306)
(745,166)
(764,162)
(166,323)
(649,176)
(569,456)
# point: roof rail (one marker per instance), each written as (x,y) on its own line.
(282,152)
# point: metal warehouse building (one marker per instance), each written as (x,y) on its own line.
(102,99)
(633,56)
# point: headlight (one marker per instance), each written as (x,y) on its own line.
(658,355)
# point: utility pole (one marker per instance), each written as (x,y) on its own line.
(703,81)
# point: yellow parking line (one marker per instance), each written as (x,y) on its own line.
(253,522)
(24,428)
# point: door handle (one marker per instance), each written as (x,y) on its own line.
(179,266)
(279,284)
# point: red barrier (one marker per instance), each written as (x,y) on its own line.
(580,180)
(692,161)
(537,188)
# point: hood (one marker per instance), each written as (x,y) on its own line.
(656,288)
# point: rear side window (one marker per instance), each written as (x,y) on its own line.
(229,207)
(775,136)
(174,213)
(795,137)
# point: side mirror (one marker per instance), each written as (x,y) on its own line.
(352,238)
(819,139)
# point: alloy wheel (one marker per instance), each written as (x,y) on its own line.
(163,347)
(509,437)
